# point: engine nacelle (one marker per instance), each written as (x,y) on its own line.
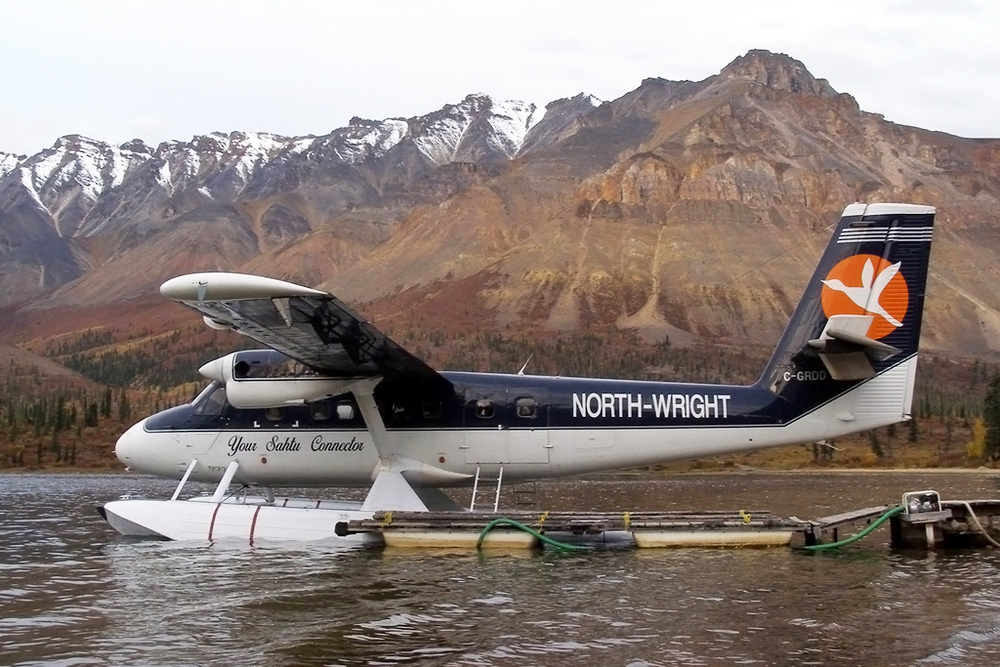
(269,379)
(279,392)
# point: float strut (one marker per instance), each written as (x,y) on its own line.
(220,491)
(184,479)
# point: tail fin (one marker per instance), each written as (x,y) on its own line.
(860,315)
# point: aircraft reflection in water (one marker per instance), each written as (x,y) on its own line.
(335,402)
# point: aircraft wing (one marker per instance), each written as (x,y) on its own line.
(308,325)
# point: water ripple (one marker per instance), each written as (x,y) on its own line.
(74,593)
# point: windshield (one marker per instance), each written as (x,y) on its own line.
(211,401)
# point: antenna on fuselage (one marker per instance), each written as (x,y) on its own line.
(525,365)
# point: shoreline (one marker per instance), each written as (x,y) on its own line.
(743,470)
(625,474)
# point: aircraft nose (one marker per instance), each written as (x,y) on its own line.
(125,448)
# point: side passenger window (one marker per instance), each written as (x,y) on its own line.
(484,408)
(527,408)
(431,409)
(320,410)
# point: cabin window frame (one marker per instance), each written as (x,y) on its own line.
(209,405)
(526,407)
(345,411)
(432,409)
(484,408)
(320,411)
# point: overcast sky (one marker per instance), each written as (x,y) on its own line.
(117,70)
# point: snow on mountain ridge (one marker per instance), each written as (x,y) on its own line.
(511,120)
(251,150)
(242,152)
(8,162)
(94,165)
(442,137)
(66,181)
(438,135)
(181,163)
(363,138)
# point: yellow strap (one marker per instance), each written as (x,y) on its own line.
(542,518)
(746,517)
(628,520)
(387,519)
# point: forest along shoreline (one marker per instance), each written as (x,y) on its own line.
(951,442)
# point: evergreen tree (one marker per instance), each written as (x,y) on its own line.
(945,443)
(59,417)
(90,414)
(874,443)
(106,403)
(124,409)
(991,419)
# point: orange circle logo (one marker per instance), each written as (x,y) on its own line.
(867,284)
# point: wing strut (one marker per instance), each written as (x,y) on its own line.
(394,479)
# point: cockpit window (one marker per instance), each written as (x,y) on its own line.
(212,401)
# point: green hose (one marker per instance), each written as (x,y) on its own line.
(520,526)
(854,538)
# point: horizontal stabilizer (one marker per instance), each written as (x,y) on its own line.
(847,351)
(848,365)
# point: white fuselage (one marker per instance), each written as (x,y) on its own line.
(451,456)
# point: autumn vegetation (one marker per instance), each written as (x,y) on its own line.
(71,422)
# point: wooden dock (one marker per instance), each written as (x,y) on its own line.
(644,529)
(830,529)
(948,524)
(957,524)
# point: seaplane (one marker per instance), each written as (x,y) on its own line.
(331,401)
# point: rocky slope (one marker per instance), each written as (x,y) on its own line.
(693,210)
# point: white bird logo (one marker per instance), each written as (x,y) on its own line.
(868,294)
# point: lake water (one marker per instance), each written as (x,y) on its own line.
(73,592)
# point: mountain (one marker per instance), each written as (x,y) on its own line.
(8,161)
(99,215)
(693,210)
